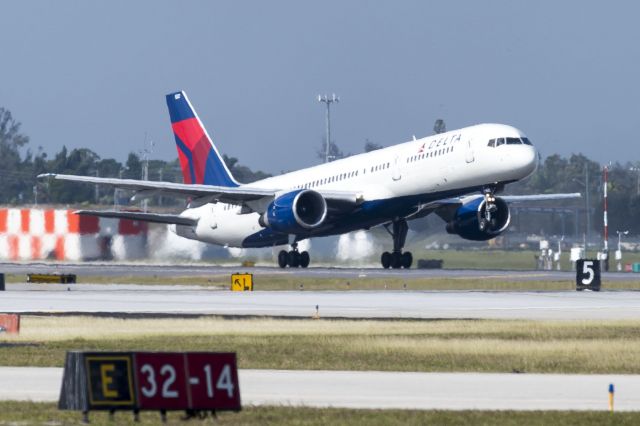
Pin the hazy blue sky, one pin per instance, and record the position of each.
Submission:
(94, 74)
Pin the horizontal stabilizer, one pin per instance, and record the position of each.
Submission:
(145, 217)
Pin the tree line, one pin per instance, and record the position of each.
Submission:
(19, 166)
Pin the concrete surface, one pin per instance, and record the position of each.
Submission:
(108, 299)
(372, 389)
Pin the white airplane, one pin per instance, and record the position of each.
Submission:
(455, 175)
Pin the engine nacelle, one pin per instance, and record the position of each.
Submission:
(295, 212)
(469, 221)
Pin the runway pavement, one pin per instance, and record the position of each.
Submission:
(172, 270)
(166, 300)
(371, 389)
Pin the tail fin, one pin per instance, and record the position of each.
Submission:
(200, 160)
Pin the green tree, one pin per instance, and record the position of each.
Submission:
(16, 181)
(371, 146)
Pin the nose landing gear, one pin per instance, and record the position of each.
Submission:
(490, 208)
(293, 258)
(397, 259)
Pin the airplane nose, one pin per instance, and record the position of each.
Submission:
(528, 159)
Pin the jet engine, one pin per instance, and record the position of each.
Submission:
(295, 212)
(471, 221)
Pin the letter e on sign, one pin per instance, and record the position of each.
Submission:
(110, 380)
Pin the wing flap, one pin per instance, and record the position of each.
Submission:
(146, 217)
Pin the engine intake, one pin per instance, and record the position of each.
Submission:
(295, 212)
(469, 220)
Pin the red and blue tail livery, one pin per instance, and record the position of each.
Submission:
(200, 160)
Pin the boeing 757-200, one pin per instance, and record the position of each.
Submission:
(455, 175)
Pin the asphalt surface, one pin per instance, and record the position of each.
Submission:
(167, 300)
(172, 270)
(372, 389)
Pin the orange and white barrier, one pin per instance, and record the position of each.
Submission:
(34, 234)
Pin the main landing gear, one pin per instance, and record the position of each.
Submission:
(293, 258)
(397, 259)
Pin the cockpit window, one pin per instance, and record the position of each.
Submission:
(526, 141)
(492, 143)
(499, 141)
(513, 141)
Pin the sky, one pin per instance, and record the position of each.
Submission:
(94, 74)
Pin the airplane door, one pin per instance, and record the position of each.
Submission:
(469, 156)
(396, 174)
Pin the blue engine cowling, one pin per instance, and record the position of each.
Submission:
(295, 212)
(469, 220)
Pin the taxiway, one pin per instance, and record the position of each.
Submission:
(384, 390)
(178, 300)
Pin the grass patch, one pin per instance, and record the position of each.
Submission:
(403, 345)
(504, 259)
(29, 413)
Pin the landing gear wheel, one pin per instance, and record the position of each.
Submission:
(385, 259)
(283, 259)
(396, 260)
(407, 260)
(294, 259)
(304, 259)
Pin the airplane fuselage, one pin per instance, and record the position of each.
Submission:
(391, 182)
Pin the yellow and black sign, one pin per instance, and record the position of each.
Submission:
(241, 282)
(52, 278)
(110, 380)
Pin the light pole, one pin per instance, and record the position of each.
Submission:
(116, 191)
(586, 203)
(619, 251)
(146, 152)
(328, 101)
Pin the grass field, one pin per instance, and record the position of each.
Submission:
(485, 259)
(452, 345)
(505, 259)
(28, 413)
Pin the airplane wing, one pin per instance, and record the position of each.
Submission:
(539, 197)
(147, 217)
(254, 199)
(446, 207)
